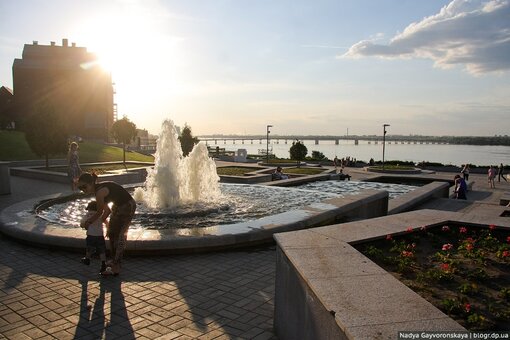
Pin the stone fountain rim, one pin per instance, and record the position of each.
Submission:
(18, 221)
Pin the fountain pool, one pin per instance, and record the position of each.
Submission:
(354, 187)
(238, 203)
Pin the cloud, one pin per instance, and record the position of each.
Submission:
(474, 34)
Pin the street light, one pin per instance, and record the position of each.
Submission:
(383, 140)
(267, 145)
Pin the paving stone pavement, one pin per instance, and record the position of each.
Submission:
(49, 294)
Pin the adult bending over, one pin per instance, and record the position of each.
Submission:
(122, 212)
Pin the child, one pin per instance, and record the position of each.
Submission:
(95, 238)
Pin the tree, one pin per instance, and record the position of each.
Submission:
(298, 151)
(45, 133)
(318, 156)
(123, 131)
(187, 140)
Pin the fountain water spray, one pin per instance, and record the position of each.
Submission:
(176, 180)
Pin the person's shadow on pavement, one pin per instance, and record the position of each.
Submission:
(92, 319)
(93, 322)
(119, 325)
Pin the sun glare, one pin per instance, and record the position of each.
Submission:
(136, 47)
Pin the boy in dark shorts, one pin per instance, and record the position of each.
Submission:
(95, 237)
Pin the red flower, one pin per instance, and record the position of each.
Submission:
(467, 307)
(409, 229)
(406, 253)
(469, 246)
(445, 267)
(445, 228)
(463, 230)
(505, 253)
(470, 240)
(388, 237)
(447, 246)
(492, 227)
(508, 239)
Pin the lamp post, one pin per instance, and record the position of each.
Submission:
(383, 142)
(267, 145)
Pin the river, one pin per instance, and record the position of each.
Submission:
(441, 153)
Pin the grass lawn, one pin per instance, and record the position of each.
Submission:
(279, 161)
(13, 147)
(98, 169)
(394, 167)
(241, 170)
(303, 171)
(234, 170)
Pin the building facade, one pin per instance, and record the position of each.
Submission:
(70, 81)
(6, 105)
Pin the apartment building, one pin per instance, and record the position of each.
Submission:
(68, 79)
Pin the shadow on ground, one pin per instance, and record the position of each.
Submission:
(227, 293)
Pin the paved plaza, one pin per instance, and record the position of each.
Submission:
(49, 294)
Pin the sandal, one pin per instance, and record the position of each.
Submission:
(107, 272)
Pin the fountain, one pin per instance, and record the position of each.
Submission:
(176, 180)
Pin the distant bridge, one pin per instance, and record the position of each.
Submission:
(261, 139)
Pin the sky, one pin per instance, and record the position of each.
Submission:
(321, 67)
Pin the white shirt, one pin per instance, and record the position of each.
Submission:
(96, 228)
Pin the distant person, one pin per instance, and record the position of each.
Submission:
(122, 212)
(501, 169)
(342, 176)
(460, 188)
(335, 163)
(95, 238)
(465, 172)
(491, 175)
(73, 163)
(278, 174)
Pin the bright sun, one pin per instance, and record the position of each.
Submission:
(133, 45)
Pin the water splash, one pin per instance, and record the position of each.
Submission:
(176, 180)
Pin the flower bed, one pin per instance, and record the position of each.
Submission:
(462, 270)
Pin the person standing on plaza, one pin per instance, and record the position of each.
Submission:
(501, 169)
(465, 172)
(335, 163)
(73, 163)
(491, 174)
(122, 212)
